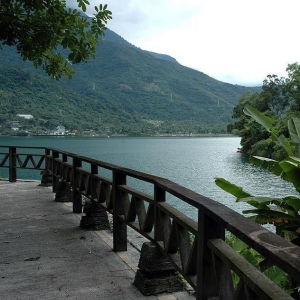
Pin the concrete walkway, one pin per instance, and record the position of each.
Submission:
(45, 255)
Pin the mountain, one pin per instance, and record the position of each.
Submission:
(124, 88)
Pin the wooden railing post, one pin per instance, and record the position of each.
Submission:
(119, 227)
(47, 177)
(64, 157)
(159, 196)
(55, 155)
(77, 198)
(49, 162)
(12, 164)
(47, 153)
(94, 171)
(206, 280)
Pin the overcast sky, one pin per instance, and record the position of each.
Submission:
(235, 41)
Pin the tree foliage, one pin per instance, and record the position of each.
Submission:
(129, 89)
(40, 29)
(279, 100)
(293, 85)
(283, 212)
(257, 260)
(275, 94)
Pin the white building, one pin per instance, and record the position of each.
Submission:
(60, 130)
(14, 125)
(27, 117)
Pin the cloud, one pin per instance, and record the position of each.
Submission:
(235, 41)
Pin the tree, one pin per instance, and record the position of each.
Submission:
(275, 94)
(248, 130)
(293, 86)
(41, 30)
(280, 100)
(283, 213)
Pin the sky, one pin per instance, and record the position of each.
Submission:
(234, 41)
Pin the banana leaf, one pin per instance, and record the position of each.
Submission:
(294, 130)
(260, 219)
(293, 201)
(289, 165)
(290, 204)
(289, 235)
(276, 275)
(262, 202)
(285, 144)
(268, 164)
(294, 178)
(295, 159)
(265, 264)
(258, 117)
(273, 216)
(231, 188)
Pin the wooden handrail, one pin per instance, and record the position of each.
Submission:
(193, 246)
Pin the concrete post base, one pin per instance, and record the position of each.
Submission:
(64, 193)
(96, 216)
(46, 178)
(156, 274)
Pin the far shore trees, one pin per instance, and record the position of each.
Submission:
(279, 100)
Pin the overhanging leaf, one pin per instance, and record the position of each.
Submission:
(293, 201)
(259, 219)
(268, 164)
(285, 144)
(258, 117)
(294, 130)
(231, 188)
(275, 274)
(265, 264)
(261, 202)
(274, 215)
(293, 177)
(289, 235)
(288, 165)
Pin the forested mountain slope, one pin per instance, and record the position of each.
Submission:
(124, 88)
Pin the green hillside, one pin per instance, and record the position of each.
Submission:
(124, 88)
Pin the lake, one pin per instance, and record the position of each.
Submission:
(193, 162)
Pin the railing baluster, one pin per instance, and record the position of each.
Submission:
(63, 167)
(77, 198)
(47, 152)
(206, 280)
(55, 155)
(120, 228)
(12, 164)
(94, 171)
(224, 278)
(159, 196)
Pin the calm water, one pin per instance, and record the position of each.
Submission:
(191, 162)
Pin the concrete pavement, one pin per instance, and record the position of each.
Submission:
(45, 255)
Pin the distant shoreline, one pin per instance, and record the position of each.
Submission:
(129, 136)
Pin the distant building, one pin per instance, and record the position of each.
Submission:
(60, 130)
(88, 132)
(14, 125)
(27, 117)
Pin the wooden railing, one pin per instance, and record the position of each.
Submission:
(195, 247)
